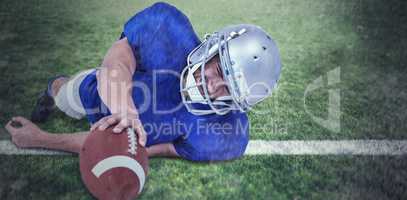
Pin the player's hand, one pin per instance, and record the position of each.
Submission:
(122, 122)
(23, 132)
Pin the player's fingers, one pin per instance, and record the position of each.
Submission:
(94, 126)
(112, 120)
(10, 128)
(98, 123)
(23, 121)
(105, 124)
(124, 123)
(142, 136)
(142, 139)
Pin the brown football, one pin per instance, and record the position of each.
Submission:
(113, 166)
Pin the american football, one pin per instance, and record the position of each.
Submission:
(113, 166)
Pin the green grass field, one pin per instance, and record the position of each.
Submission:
(364, 39)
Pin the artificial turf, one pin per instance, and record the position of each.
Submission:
(365, 40)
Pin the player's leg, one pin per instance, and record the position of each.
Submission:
(67, 97)
(45, 102)
(64, 93)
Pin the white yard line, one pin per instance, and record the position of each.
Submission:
(327, 147)
(287, 147)
(8, 148)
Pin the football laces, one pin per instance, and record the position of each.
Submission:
(132, 140)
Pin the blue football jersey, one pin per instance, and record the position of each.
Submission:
(161, 37)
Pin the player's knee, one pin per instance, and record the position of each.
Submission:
(57, 84)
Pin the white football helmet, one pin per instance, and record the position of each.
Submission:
(250, 64)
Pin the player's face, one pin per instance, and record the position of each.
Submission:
(216, 84)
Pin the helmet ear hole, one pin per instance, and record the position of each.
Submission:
(255, 57)
(264, 48)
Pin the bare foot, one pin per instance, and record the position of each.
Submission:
(28, 135)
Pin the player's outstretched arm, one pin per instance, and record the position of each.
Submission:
(29, 135)
(115, 78)
(115, 83)
(162, 150)
(26, 134)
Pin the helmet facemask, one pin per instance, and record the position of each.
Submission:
(190, 88)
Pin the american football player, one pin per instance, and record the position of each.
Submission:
(183, 97)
